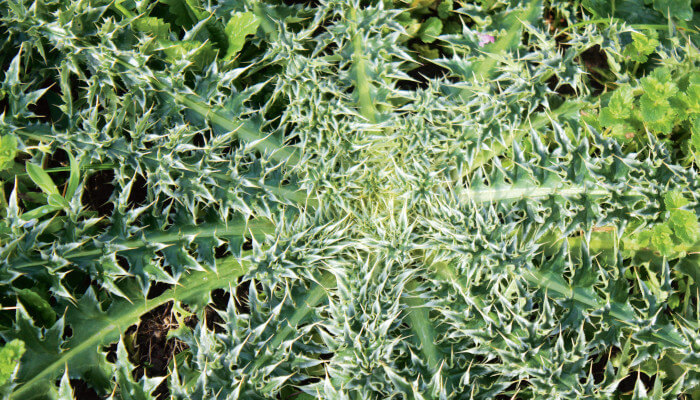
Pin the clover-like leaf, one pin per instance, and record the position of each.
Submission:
(238, 27)
(661, 239)
(430, 30)
(684, 224)
(642, 46)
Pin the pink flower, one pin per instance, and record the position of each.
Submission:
(485, 39)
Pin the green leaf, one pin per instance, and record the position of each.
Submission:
(445, 9)
(659, 85)
(680, 9)
(127, 387)
(656, 110)
(314, 296)
(154, 27)
(238, 27)
(74, 178)
(40, 212)
(39, 308)
(643, 44)
(684, 224)
(10, 355)
(56, 200)
(93, 327)
(630, 11)
(186, 12)
(197, 53)
(661, 239)
(657, 391)
(41, 179)
(675, 199)
(362, 82)
(640, 391)
(430, 30)
(621, 102)
(608, 119)
(485, 166)
(692, 97)
(419, 320)
(532, 12)
(426, 51)
(65, 390)
(8, 151)
(615, 115)
(695, 138)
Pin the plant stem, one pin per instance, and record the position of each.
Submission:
(287, 192)
(536, 122)
(93, 167)
(419, 319)
(313, 297)
(245, 130)
(362, 83)
(512, 193)
(255, 228)
(559, 288)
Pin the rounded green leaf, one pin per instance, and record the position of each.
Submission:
(430, 30)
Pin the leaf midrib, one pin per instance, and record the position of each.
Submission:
(202, 280)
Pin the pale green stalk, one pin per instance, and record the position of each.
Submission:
(254, 228)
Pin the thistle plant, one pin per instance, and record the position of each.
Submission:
(488, 233)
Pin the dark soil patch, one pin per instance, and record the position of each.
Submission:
(5, 60)
(213, 320)
(293, 392)
(219, 299)
(157, 288)
(97, 192)
(67, 332)
(594, 60)
(46, 108)
(153, 348)
(422, 75)
(563, 90)
(556, 23)
(221, 251)
(123, 262)
(77, 281)
(111, 352)
(139, 192)
(4, 105)
(199, 140)
(627, 385)
(291, 138)
(598, 367)
(81, 390)
(241, 301)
